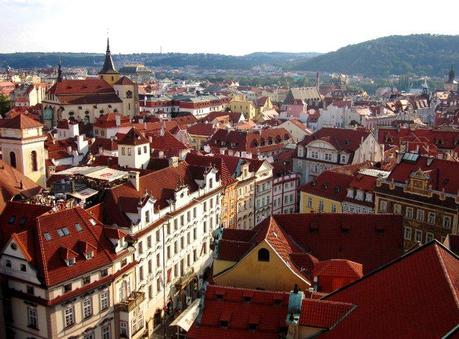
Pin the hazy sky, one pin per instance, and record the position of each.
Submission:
(214, 26)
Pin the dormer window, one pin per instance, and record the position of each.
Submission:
(92, 221)
(70, 261)
(88, 255)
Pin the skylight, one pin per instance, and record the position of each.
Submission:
(47, 236)
(92, 221)
(66, 231)
(78, 227)
(60, 232)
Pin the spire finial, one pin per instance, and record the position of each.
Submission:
(108, 44)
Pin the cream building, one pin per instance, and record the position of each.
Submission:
(22, 145)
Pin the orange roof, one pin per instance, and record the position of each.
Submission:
(20, 121)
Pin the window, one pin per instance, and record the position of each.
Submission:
(175, 247)
(333, 208)
(321, 206)
(397, 209)
(13, 159)
(150, 292)
(104, 301)
(147, 216)
(89, 335)
(407, 233)
(204, 227)
(69, 316)
(446, 222)
(158, 236)
(87, 307)
(383, 206)
(23, 268)
(158, 284)
(420, 215)
(106, 332)
(429, 236)
(34, 161)
(182, 220)
(150, 266)
(195, 233)
(149, 241)
(123, 151)
(139, 150)
(409, 213)
(129, 151)
(145, 149)
(263, 254)
(418, 235)
(30, 290)
(431, 218)
(67, 287)
(104, 272)
(141, 273)
(158, 260)
(86, 280)
(168, 250)
(194, 212)
(32, 318)
(124, 332)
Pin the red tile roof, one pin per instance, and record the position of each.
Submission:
(323, 314)
(343, 139)
(265, 311)
(442, 173)
(20, 121)
(415, 296)
(160, 184)
(14, 183)
(133, 138)
(329, 185)
(369, 239)
(338, 268)
(167, 143)
(108, 120)
(201, 129)
(79, 87)
(207, 161)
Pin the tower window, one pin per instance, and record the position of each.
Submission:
(13, 159)
(33, 156)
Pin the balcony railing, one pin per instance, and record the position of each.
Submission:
(131, 302)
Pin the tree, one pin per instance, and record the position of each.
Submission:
(5, 105)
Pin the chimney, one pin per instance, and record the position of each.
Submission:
(134, 178)
(118, 119)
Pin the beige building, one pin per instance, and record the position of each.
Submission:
(67, 276)
(22, 146)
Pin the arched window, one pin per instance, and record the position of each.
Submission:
(33, 158)
(263, 254)
(13, 159)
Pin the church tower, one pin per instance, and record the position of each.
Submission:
(23, 146)
(108, 71)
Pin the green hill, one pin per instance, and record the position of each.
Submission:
(421, 54)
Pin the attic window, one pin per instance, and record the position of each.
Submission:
(23, 221)
(47, 236)
(70, 261)
(63, 231)
(78, 227)
(224, 323)
(12, 219)
(88, 255)
(14, 246)
(92, 221)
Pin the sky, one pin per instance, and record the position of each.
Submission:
(234, 27)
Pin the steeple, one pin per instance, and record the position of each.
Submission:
(59, 72)
(108, 67)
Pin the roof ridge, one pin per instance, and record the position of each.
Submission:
(390, 263)
(447, 276)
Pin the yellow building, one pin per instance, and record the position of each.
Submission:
(239, 103)
(325, 194)
(268, 265)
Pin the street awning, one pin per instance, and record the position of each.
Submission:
(187, 317)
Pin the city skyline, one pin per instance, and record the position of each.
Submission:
(234, 28)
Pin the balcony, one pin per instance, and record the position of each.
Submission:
(131, 302)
